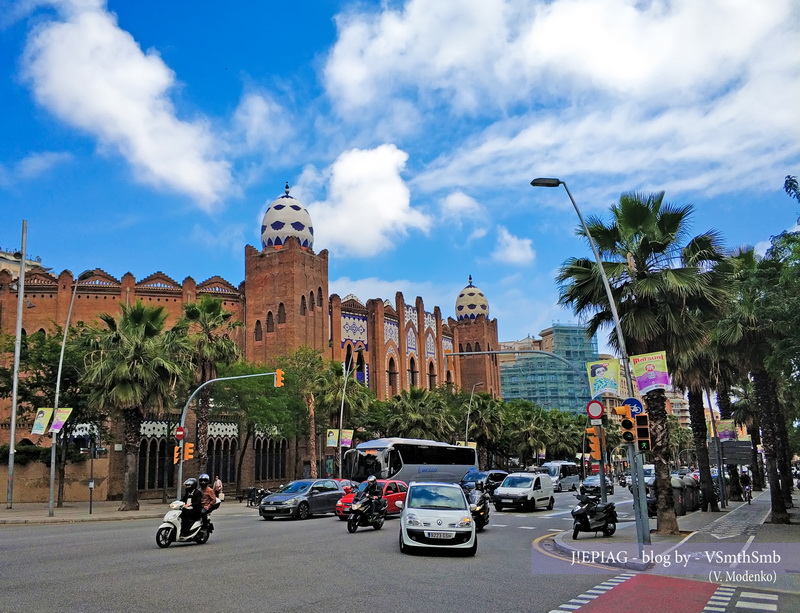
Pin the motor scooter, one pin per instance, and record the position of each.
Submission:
(170, 529)
(478, 505)
(360, 515)
(593, 516)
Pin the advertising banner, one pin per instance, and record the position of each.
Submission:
(333, 438)
(603, 377)
(62, 415)
(41, 421)
(650, 371)
(347, 438)
(726, 430)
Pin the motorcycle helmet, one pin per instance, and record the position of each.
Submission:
(190, 484)
(371, 479)
(204, 480)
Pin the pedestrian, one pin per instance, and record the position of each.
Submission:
(218, 488)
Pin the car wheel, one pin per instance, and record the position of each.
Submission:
(164, 537)
(303, 511)
(498, 507)
(403, 547)
(266, 517)
(550, 504)
(609, 529)
(468, 553)
(531, 505)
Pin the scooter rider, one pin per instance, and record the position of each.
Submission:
(193, 498)
(209, 497)
(374, 492)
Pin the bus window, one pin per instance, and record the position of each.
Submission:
(395, 463)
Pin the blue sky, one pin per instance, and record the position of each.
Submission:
(150, 136)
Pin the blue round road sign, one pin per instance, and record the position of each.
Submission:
(635, 405)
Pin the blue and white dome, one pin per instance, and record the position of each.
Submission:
(286, 217)
(471, 302)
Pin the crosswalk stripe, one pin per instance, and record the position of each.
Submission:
(759, 606)
(758, 595)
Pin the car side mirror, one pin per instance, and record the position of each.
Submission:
(314, 490)
(399, 504)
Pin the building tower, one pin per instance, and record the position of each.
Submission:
(286, 285)
(474, 332)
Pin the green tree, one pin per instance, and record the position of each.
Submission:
(133, 364)
(661, 285)
(209, 329)
(420, 413)
(485, 424)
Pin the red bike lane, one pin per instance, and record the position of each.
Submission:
(653, 593)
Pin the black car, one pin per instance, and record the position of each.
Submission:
(490, 478)
(302, 498)
(591, 485)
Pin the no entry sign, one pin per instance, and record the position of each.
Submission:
(595, 409)
(180, 432)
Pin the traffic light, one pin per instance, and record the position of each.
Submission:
(176, 454)
(627, 424)
(642, 432)
(279, 378)
(594, 443)
(188, 451)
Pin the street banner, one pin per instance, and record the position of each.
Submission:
(650, 371)
(62, 415)
(472, 444)
(333, 438)
(603, 377)
(460, 444)
(726, 430)
(347, 438)
(41, 421)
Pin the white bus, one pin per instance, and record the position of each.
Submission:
(410, 459)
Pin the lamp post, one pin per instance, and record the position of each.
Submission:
(469, 410)
(54, 435)
(347, 373)
(15, 380)
(643, 532)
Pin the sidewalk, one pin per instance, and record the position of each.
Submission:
(709, 548)
(103, 510)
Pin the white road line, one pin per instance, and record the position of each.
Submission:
(759, 606)
(758, 595)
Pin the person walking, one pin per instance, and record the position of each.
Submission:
(218, 487)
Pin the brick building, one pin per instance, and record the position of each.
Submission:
(283, 303)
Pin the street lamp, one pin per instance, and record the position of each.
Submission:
(469, 410)
(15, 380)
(347, 373)
(54, 435)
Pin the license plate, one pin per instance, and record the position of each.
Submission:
(439, 535)
(507, 500)
(269, 508)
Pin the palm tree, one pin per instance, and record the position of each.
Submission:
(567, 432)
(661, 287)
(485, 424)
(209, 326)
(134, 365)
(420, 413)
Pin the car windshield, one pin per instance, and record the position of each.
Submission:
(517, 482)
(552, 470)
(295, 487)
(436, 497)
(473, 476)
(591, 480)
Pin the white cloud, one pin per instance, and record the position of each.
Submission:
(368, 205)
(457, 206)
(32, 166)
(262, 123)
(91, 74)
(511, 249)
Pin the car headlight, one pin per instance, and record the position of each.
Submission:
(291, 501)
(464, 523)
(412, 520)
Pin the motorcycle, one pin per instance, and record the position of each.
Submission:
(478, 505)
(591, 515)
(170, 529)
(360, 515)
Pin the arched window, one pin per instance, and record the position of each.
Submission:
(302, 305)
(469, 347)
(281, 314)
(431, 376)
(270, 459)
(413, 373)
(311, 304)
(258, 334)
(154, 464)
(320, 298)
(270, 322)
(392, 372)
(460, 348)
(477, 346)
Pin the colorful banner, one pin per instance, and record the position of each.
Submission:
(62, 415)
(347, 438)
(650, 371)
(41, 421)
(333, 438)
(726, 430)
(603, 377)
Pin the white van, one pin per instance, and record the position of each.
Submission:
(565, 475)
(525, 491)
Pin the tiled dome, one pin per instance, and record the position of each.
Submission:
(471, 302)
(286, 217)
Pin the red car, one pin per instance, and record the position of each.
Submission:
(393, 491)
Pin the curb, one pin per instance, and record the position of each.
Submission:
(76, 520)
(629, 564)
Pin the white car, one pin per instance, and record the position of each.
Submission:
(437, 516)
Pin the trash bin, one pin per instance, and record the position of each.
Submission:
(678, 489)
(691, 496)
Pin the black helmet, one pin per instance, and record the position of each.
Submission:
(190, 484)
(371, 479)
(204, 480)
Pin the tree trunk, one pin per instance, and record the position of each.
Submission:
(667, 522)
(132, 419)
(249, 428)
(312, 433)
(767, 419)
(783, 454)
(697, 415)
(203, 412)
(756, 469)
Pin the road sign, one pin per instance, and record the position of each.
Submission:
(595, 409)
(180, 432)
(635, 404)
(596, 422)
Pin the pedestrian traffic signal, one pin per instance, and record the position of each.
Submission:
(627, 423)
(642, 432)
(176, 455)
(279, 378)
(188, 451)
(594, 443)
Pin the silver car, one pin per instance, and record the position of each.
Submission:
(302, 498)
